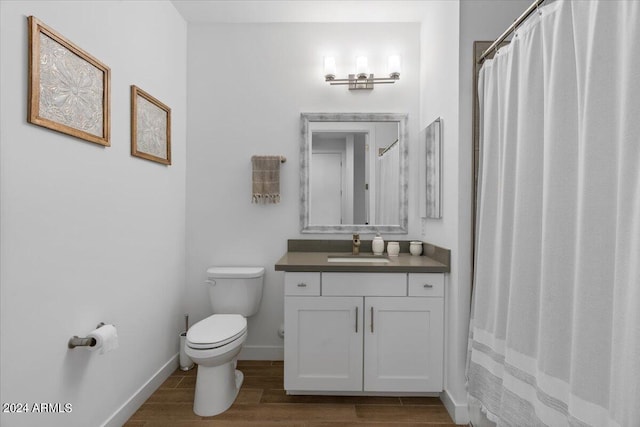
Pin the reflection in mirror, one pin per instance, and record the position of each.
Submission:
(353, 173)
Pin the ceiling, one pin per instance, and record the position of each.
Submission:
(265, 11)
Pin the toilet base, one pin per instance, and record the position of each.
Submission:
(216, 388)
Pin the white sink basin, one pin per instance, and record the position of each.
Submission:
(359, 259)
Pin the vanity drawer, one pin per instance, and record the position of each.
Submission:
(302, 284)
(364, 284)
(426, 284)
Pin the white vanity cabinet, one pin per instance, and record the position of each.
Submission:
(364, 332)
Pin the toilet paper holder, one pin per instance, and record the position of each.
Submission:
(76, 341)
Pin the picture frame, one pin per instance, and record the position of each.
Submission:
(430, 170)
(69, 90)
(150, 127)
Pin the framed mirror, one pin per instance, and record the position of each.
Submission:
(353, 173)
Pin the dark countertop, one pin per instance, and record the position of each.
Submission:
(317, 261)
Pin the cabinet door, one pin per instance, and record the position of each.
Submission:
(323, 343)
(403, 344)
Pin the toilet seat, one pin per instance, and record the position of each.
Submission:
(216, 331)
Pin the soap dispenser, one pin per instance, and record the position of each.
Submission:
(377, 245)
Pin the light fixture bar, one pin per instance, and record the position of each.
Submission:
(371, 79)
(362, 80)
(362, 83)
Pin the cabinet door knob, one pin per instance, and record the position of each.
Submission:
(302, 285)
(428, 286)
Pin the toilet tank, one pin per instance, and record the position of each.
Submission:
(235, 290)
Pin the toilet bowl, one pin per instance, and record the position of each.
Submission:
(215, 342)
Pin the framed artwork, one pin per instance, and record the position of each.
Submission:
(430, 170)
(150, 127)
(69, 90)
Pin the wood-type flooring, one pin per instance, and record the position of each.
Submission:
(262, 402)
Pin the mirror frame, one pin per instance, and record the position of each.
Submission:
(305, 161)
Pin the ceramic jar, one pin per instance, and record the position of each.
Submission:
(393, 248)
(415, 248)
(377, 245)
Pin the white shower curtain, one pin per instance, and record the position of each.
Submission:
(388, 187)
(555, 329)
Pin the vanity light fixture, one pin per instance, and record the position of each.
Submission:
(362, 79)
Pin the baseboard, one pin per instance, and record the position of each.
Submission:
(261, 352)
(132, 404)
(458, 411)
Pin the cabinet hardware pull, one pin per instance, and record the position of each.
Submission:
(371, 319)
(356, 319)
(427, 285)
(302, 285)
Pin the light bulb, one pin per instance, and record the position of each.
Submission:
(394, 66)
(362, 69)
(329, 68)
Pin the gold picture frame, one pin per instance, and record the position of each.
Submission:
(150, 127)
(69, 90)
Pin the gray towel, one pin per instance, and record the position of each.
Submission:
(266, 179)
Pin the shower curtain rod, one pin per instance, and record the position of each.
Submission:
(508, 31)
(381, 151)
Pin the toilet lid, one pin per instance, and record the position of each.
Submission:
(216, 330)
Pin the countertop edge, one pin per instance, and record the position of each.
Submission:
(430, 265)
(359, 268)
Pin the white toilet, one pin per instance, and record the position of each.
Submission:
(215, 342)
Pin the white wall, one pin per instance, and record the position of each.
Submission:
(248, 84)
(439, 98)
(89, 233)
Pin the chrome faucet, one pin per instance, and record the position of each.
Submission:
(356, 244)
